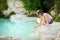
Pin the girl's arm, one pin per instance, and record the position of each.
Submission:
(41, 23)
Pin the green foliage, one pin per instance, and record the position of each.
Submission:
(56, 11)
(57, 3)
(47, 5)
(35, 4)
(27, 4)
(38, 4)
(1, 14)
(3, 4)
(11, 13)
(57, 19)
(6, 17)
(32, 4)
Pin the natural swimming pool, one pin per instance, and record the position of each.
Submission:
(22, 28)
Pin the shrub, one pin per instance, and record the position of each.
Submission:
(11, 13)
(58, 20)
(38, 4)
(1, 14)
(32, 15)
(3, 4)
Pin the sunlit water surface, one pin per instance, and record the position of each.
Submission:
(21, 28)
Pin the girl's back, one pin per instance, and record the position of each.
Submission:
(47, 17)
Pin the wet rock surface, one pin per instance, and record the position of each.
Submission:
(48, 32)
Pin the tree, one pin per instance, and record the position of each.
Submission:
(32, 4)
(35, 4)
(47, 5)
(38, 4)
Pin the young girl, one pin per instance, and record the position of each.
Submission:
(45, 18)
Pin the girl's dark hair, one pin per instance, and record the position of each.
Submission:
(40, 12)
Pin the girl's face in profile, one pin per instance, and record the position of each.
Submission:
(39, 15)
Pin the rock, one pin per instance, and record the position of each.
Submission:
(48, 32)
(14, 5)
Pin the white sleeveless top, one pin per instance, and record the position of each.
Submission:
(39, 20)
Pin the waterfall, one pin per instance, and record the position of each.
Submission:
(16, 6)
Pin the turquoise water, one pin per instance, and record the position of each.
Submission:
(22, 28)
